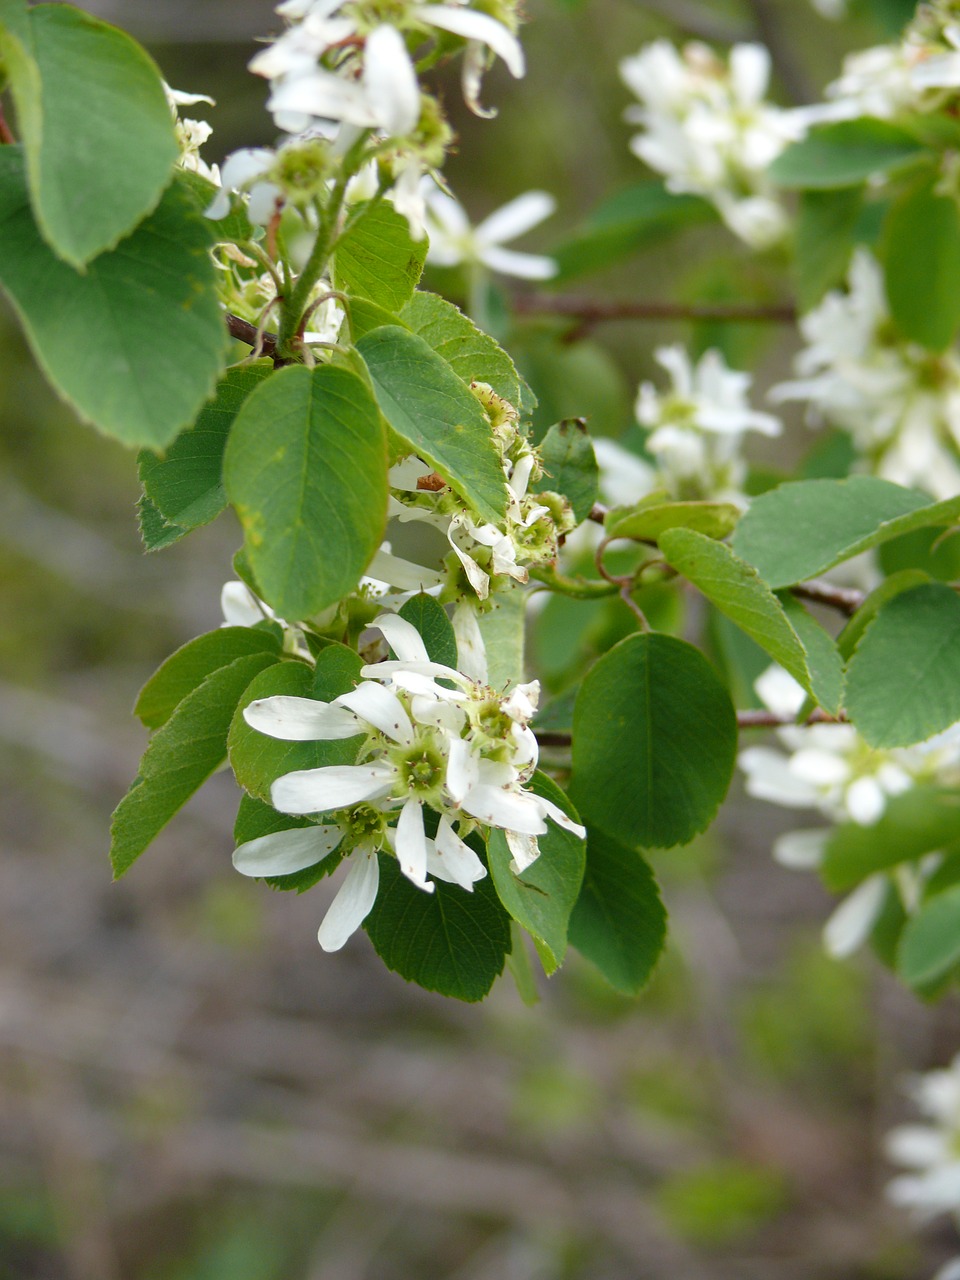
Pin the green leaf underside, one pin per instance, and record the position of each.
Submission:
(379, 259)
(306, 469)
(542, 897)
(736, 589)
(804, 528)
(256, 819)
(472, 354)
(190, 665)
(921, 256)
(824, 662)
(181, 756)
(435, 628)
(257, 759)
(903, 681)
(648, 519)
(428, 406)
(155, 532)
(930, 943)
(619, 922)
(186, 483)
(90, 186)
(917, 822)
(842, 154)
(823, 241)
(447, 941)
(503, 629)
(654, 742)
(570, 466)
(137, 342)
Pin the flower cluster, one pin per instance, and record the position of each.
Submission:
(697, 427)
(707, 128)
(342, 72)
(831, 769)
(191, 134)
(899, 401)
(455, 748)
(930, 1151)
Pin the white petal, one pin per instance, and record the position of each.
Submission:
(391, 81)
(850, 925)
(240, 606)
(476, 26)
(326, 95)
(949, 1272)
(381, 708)
(462, 769)
(916, 1145)
(263, 202)
(770, 778)
(354, 901)
(553, 811)
(525, 851)
(516, 217)
(284, 852)
(450, 859)
(801, 850)
(411, 844)
(403, 574)
(865, 800)
(402, 637)
(245, 165)
(508, 809)
(333, 786)
(524, 266)
(471, 647)
(300, 719)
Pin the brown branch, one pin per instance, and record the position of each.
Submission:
(590, 311)
(745, 720)
(845, 599)
(246, 332)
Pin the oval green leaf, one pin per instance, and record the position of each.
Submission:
(930, 942)
(843, 154)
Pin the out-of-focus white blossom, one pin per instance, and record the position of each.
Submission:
(697, 427)
(453, 240)
(191, 134)
(832, 9)
(709, 131)
(931, 1152)
(900, 402)
(829, 768)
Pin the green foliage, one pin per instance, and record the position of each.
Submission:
(185, 484)
(155, 532)
(903, 681)
(823, 240)
(915, 823)
(378, 259)
(446, 941)
(930, 943)
(435, 628)
(823, 658)
(181, 756)
(313, 503)
(921, 255)
(654, 742)
(618, 922)
(844, 154)
(542, 897)
(647, 519)
(89, 190)
(570, 466)
(137, 341)
(428, 406)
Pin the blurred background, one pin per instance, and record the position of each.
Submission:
(189, 1088)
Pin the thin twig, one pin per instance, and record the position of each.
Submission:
(246, 332)
(845, 599)
(590, 311)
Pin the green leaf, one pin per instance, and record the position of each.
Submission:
(503, 628)
(892, 15)
(436, 629)
(337, 671)
(180, 758)
(379, 259)
(823, 241)
(235, 226)
(802, 529)
(648, 519)
(137, 342)
(570, 466)
(258, 759)
(186, 483)
(844, 154)
(930, 942)
(256, 819)
(903, 681)
(427, 404)
(471, 354)
(917, 822)
(98, 134)
(736, 589)
(895, 585)
(448, 941)
(619, 922)
(306, 469)
(921, 257)
(365, 316)
(626, 222)
(184, 670)
(824, 662)
(654, 742)
(542, 897)
(156, 532)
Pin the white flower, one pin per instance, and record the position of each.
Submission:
(454, 241)
(191, 134)
(900, 403)
(931, 1151)
(707, 128)
(246, 170)
(462, 751)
